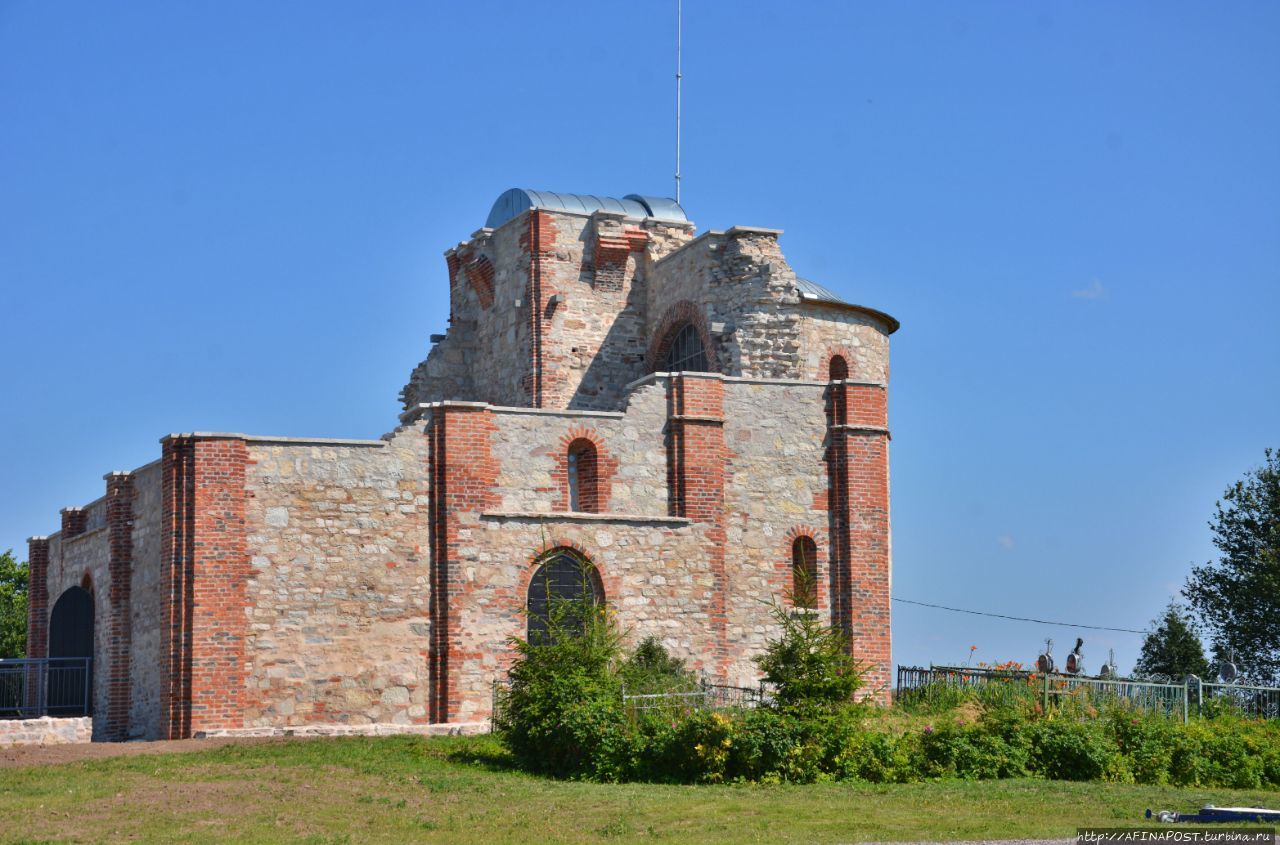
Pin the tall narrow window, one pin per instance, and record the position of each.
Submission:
(561, 583)
(837, 410)
(584, 481)
(804, 572)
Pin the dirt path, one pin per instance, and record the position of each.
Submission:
(48, 755)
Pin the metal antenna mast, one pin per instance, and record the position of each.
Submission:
(679, 76)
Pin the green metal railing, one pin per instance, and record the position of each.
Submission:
(1060, 692)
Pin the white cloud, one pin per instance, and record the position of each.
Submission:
(1005, 541)
(1095, 290)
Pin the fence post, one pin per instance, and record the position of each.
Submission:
(1186, 690)
(1046, 693)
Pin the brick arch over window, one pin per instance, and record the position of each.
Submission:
(562, 573)
(839, 360)
(595, 468)
(584, 491)
(802, 563)
(677, 317)
(837, 395)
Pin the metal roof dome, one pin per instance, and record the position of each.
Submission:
(514, 201)
(811, 291)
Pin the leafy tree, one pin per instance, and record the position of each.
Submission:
(1172, 650)
(1238, 597)
(13, 606)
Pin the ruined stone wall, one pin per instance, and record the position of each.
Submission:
(146, 662)
(858, 338)
(338, 593)
(548, 310)
(739, 278)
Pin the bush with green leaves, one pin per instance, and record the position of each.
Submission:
(563, 708)
(564, 715)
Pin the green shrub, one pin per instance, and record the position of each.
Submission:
(650, 669)
(1067, 749)
(563, 712)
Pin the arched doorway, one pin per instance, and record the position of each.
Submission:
(70, 681)
(562, 577)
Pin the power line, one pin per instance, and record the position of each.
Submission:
(1019, 618)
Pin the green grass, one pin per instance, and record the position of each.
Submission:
(407, 789)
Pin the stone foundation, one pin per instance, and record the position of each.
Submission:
(46, 731)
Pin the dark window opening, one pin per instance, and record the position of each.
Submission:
(584, 480)
(561, 581)
(804, 572)
(687, 353)
(839, 368)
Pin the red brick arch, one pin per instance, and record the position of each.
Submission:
(606, 466)
(819, 538)
(833, 353)
(609, 585)
(682, 312)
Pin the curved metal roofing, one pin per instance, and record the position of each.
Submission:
(811, 291)
(514, 201)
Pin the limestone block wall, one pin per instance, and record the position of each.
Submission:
(337, 599)
(776, 491)
(146, 662)
(45, 731)
(531, 452)
(858, 338)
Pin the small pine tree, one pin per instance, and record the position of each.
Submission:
(1172, 650)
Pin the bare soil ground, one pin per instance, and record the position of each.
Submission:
(49, 755)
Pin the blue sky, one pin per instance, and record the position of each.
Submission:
(230, 216)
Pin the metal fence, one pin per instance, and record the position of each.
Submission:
(1193, 697)
(702, 695)
(705, 696)
(1263, 702)
(52, 686)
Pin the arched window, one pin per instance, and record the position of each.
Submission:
(563, 578)
(584, 479)
(686, 352)
(804, 572)
(839, 368)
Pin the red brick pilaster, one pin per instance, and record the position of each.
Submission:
(696, 462)
(462, 472)
(858, 477)
(37, 597)
(539, 243)
(205, 565)
(74, 522)
(37, 610)
(119, 589)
